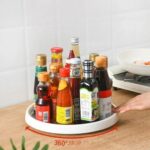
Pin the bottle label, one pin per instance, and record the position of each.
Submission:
(105, 100)
(64, 115)
(43, 113)
(74, 71)
(40, 69)
(89, 104)
(76, 109)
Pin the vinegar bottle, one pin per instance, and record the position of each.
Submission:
(64, 108)
(104, 85)
(43, 100)
(75, 46)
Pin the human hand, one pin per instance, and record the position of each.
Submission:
(140, 102)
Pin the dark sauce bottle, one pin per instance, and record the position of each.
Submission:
(89, 106)
(43, 99)
(104, 85)
(40, 67)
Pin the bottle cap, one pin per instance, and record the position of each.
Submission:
(101, 61)
(64, 72)
(56, 49)
(53, 68)
(92, 56)
(74, 40)
(88, 63)
(75, 61)
(40, 59)
(43, 76)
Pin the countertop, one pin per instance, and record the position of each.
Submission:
(132, 132)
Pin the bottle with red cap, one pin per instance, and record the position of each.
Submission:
(64, 107)
(56, 56)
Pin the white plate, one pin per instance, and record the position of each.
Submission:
(69, 129)
(128, 57)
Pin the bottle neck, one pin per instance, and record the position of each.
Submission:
(75, 48)
(88, 75)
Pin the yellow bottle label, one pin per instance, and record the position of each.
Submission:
(64, 115)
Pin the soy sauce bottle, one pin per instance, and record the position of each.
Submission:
(40, 67)
(89, 106)
(43, 99)
(104, 85)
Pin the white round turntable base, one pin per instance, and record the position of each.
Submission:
(69, 129)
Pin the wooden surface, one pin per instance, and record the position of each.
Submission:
(132, 133)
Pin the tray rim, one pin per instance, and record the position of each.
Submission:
(71, 128)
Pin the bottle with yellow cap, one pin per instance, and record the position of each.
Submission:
(40, 67)
(92, 57)
(42, 108)
(54, 82)
(104, 85)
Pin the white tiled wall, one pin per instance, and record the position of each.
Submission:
(28, 27)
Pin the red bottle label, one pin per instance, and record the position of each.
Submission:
(43, 113)
(104, 94)
(105, 101)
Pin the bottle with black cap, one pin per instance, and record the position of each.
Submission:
(89, 106)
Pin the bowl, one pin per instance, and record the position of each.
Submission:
(132, 60)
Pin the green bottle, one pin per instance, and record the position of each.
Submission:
(89, 105)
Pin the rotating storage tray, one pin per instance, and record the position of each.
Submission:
(69, 129)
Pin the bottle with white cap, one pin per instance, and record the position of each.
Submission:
(75, 46)
(75, 87)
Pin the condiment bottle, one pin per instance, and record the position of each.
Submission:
(64, 108)
(75, 86)
(56, 57)
(104, 85)
(54, 82)
(92, 57)
(75, 46)
(43, 100)
(71, 55)
(89, 106)
(40, 67)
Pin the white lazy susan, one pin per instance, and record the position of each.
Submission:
(69, 129)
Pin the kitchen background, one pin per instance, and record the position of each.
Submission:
(28, 27)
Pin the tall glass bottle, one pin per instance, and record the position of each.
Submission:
(75, 86)
(64, 108)
(71, 55)
(43, 100)
(54, 82)
(40, 67)
(75, 46)
(89, 106)
(104, 85)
